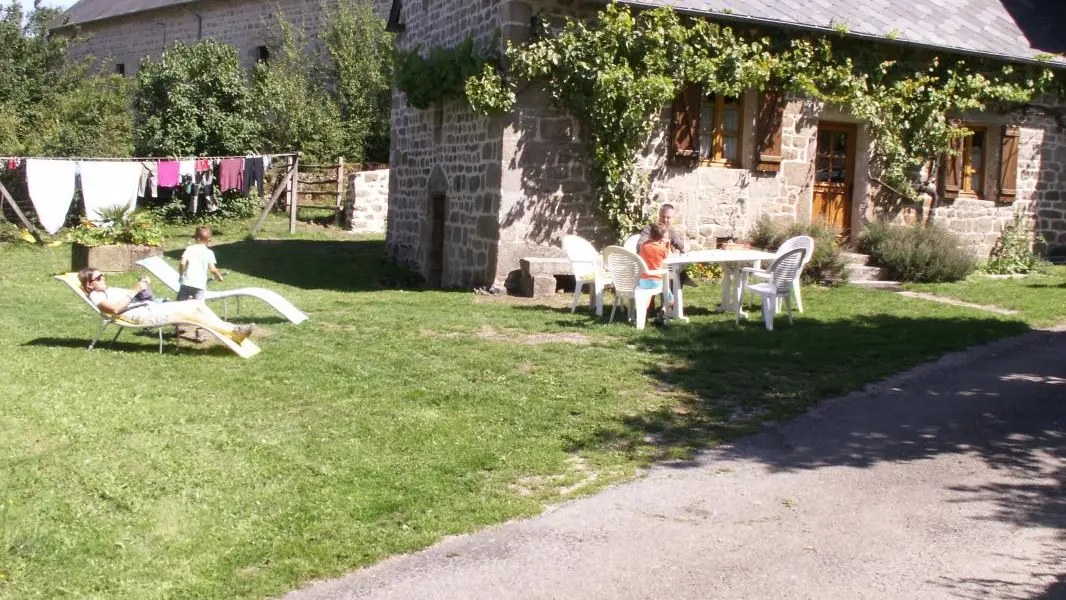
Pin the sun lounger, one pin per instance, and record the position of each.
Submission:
(245, 349)
(169, 277)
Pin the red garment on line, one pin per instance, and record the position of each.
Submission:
(202, 164)
(231, 174)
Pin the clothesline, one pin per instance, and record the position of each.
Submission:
(146, 158)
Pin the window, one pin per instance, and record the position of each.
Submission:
(720, 129)
(120, 69)
(262, 54)
(973, 161)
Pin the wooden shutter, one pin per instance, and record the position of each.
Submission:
(1008, 164)
(768, 131)
(685, 118)
(952, 174)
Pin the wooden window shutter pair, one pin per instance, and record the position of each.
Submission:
(1008, 167)
(685, 121)
(768, 131)
(1008, 164)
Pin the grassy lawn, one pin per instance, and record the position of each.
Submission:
(392, 418)
(1041, 299)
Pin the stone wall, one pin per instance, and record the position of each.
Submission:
(514, 185)
(247, 24)
(366, 201)
(448, 153)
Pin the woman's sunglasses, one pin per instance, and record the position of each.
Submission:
(97, 277)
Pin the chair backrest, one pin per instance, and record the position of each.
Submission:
(166, 274)
(800, 241)
(71, 279)
(584, 259)
(785, 268)
(631, 243)
(624, 268)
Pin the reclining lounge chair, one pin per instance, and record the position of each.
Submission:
(170, 278)
(245, 349)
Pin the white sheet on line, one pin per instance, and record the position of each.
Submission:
(108, 183)
(51, 187)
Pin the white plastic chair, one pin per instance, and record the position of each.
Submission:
(625, 269)
(805, 242)
(631, 243)
(783, 271)
(588, 269)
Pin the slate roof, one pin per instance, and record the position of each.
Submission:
(1012, 29)
(86, 11)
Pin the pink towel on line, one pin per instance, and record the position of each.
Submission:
(169, 173)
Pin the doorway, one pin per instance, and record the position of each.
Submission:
(834, 175)
(438, 218)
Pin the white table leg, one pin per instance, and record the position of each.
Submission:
(729, 278)
(674, 281)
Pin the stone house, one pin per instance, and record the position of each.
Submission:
(471, 195)
(122, 32)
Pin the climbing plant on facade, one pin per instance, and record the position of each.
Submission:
(615, 73)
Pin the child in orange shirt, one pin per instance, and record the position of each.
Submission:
(654, 251)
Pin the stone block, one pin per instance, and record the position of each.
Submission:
(110, 259)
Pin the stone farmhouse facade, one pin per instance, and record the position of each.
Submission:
(470, 195)
(122, 32)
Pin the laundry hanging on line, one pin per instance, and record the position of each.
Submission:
(106, 184)
(51, 187)
(231, 174)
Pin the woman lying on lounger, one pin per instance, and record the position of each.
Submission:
(119, 301)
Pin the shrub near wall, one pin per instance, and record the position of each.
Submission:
(827, 265)
(915, 253)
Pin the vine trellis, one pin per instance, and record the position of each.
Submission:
(616, 72)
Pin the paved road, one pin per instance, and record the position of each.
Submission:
(945, 482)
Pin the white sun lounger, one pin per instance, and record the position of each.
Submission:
(245, 349)
(169, 277)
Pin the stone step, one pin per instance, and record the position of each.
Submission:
(854, 258)
(864, 273)
(877, 284)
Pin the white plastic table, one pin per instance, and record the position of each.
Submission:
(732, 262)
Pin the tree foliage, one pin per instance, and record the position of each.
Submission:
(329, 95)
(195, 100)
(48, 105)
(295, 109)
(615, 74)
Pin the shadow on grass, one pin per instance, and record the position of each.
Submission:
(729, 379)
(349, 266)
(150, 346)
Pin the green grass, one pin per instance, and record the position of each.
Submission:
(1040, 298)
(395, 416)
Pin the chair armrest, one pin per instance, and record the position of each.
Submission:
(754, 271)
(656, 272)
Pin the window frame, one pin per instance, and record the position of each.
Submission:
(716, 154)
(965, 185)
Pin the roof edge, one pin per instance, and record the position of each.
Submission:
(1059, 64)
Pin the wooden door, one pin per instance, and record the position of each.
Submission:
(834, 175)
(439, 218)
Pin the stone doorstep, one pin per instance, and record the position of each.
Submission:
(861, 272)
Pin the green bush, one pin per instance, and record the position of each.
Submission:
(232, 205)
(827, 265)
(1013, 252)
(119, 227)
(915, 253)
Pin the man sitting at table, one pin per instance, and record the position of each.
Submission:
(654, 251)
(674, 239)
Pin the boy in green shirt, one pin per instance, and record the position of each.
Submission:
(196, 262)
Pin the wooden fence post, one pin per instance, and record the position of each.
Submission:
(340, 190)
(294, 191)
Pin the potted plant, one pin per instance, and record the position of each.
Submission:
(117, 243)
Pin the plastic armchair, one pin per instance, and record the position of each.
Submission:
(805, 242)
(588, 270)
(631, 243)
(626, 269)
(783, 271)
